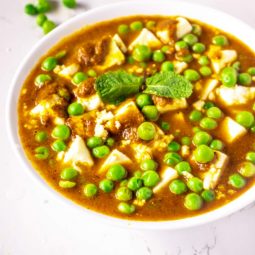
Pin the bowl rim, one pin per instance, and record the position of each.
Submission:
(11, 112)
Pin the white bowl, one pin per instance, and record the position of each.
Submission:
(174, 7)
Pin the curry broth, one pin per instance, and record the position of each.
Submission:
(163, 205)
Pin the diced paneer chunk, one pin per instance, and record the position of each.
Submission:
(91, 103)
(167, 175)
(167, 104)
(179, 66)
(183, 27)
(208, 87)
(212, 176)
(78, 153)
(237, 95)
(141, 151)
(198, 105)
(147, 38)
(67, 71)
(120, 43)
(230, 130)
(115, 157)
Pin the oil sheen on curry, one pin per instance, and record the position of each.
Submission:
(144, 118)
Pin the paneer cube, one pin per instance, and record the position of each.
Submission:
(208, 87)
(141, 151)
(78, 153)
(183, 27)
(230, 130)
(198, 105)
(67, 71)
(180, 66)
(146, 37)
(115, 157)
(91, 103)
(120, 43)
(166, 105)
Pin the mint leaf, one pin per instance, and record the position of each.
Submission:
(168, 84)
(114, 87)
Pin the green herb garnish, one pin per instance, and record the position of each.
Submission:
(114, 87)
(168, 84)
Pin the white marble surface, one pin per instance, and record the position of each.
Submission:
(31, 222)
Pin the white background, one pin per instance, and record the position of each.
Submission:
(33, 223)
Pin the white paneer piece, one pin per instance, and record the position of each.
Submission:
(167, 175)
(59, 121)
(218, 165)
(175, 104)
(146, 37)
(208, 87)
(115, 157)
(231, 130)
(114, 56)
(183, 27)
(180, 66)
(78, 153)
(185, 151)
(90, 103)
(237, 95)
(100, 131)
(141, 151)
(198, 105)
(120, 43)
(164, 35)
(66, 71)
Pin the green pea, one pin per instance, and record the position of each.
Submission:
(165, 49)
(138, 173)
(203, 154)
(177, 187)
(186, 140)
(251, 71)
(143, 100)
(203, 61)
(173, 146)
(42, 79)
(191, 75)
(94, 141)
(193, 202)
(149, 164)
(250, 156)
(183, 166)
(158, 56)
(40, 19)
(123, 29)
(180, 45)
(195, 115)
(217, 145)
(198, 47)
(61, 132)
(172, 158)
(116, 172)
(228, 76)
(150, 112)
(75, 109)
(195, 184)
(237, 181)
(66, 184)
(100, 151)
(59, 145)
(245, 118)
(41, 136)
(92, 73)
(69, 3)
(214, 112)
(165, 126)
(167, 66)
(126, 208)
(220, 40)
(123, 194)
(146, 131)
(68, 173)
(253, 128)
(30, 9)
(49, 64)
(236, 65)
(61, 54)
(196, 29)
(144, 193)
(124, 183)
(247, 169)
(201, 137)
(48, 26)
(190, 39)
(196, 129)
(136, 26)
(110, 142)
(150, 24)
(130, 60)
(205, 71)
(208, 105)
(150, 178)
(244, 79)
(141, 53)
(90, 190)
(42, 152)
(43, 6)
(208, 123)
(63, 92)
(186, 58)
(135, 183)
(79, 77)
(208, 195)
(106, 185)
